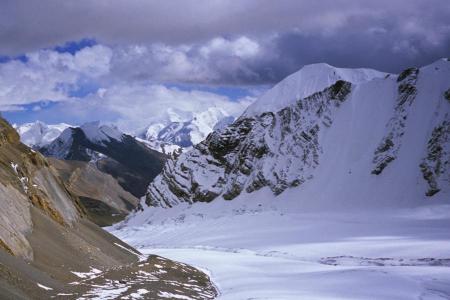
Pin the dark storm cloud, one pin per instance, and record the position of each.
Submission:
(386, 35)
(382, 48)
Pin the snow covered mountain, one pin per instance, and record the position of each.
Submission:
(343, 137)
(184, 129)
(39, 134)
(335, 188)
(131, 162)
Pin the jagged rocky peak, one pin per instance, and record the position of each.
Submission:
(325, 126)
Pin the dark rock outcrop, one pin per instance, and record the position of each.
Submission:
(388, 148)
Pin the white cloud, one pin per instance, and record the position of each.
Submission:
(242, 47)
(215, 61)
(134, 106)
(49, 75)
(125, 72)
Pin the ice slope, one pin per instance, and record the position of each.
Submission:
(344, 178)
(38, 133)
(307, 81)
(385, 141)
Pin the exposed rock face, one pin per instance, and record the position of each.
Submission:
(27, 180)
(436, 165)
(132, 163)
(49, 247)
(278, 150)
(388, 148)
(447, 94)
(104, 200)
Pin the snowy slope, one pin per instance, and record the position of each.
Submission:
(204, 122)
(38, 134)
(100, 133)
(160, 146)
(307, 81)
(374, 140)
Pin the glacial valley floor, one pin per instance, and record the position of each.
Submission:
(257, 250)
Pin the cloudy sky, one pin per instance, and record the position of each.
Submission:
(127, 61)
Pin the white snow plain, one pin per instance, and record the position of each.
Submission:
(264, 247)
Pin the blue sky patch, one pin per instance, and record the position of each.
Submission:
(5, 58)
(73, 47)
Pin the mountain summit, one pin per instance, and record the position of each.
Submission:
(308, 80)
(132, 163)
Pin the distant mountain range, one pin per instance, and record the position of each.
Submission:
(179, 131)
(186, 132)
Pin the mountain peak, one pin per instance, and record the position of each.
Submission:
(307, 81)
(98, 132)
